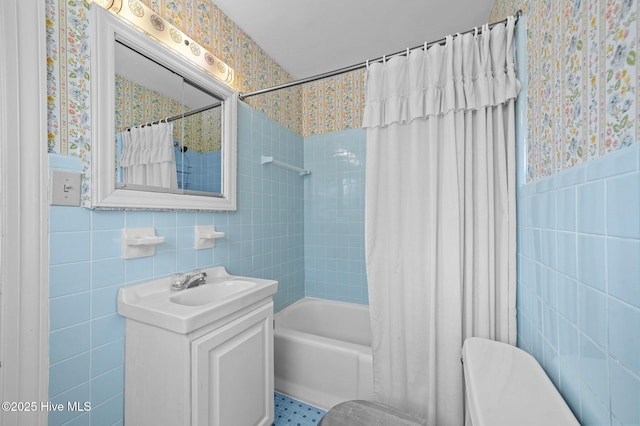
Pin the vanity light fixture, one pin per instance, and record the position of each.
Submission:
(145, 19)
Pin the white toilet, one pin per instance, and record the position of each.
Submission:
(505, 386)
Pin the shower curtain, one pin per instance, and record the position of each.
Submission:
(440, 215)
(148, 156)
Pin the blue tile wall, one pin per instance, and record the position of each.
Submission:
(579, 284)
(199, 171)
(334, 193)
(263, 238)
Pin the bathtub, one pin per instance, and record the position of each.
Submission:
(322, 352)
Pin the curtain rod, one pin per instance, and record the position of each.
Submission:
(243, 96)
(183, 115)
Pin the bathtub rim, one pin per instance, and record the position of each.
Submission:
(300, 335)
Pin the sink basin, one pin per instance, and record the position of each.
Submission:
(184, 311)
(208, 293)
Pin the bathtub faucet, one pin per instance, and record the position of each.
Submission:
(181, 282)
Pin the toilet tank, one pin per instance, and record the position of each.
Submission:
(506, 386)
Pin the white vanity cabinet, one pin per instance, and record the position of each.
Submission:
(220, 374)
(232, 372)
(202, 356)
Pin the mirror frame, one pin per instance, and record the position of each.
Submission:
(106, 28)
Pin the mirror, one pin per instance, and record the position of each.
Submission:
(146, 92)
(164, 130)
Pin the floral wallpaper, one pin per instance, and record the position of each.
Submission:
(333, 104)
(136, 104)
(68, 69)
(583, 79)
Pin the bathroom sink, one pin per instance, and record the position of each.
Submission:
(184, 311)
(208, 293)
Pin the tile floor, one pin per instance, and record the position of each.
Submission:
(289, 411)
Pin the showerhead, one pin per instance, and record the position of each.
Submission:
(177, 144)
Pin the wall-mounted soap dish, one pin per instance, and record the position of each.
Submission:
(205, 236)
(139, 242)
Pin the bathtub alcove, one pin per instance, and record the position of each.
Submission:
(322, 352)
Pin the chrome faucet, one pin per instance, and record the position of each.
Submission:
(194, 279)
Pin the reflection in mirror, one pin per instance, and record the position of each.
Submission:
(168, 130)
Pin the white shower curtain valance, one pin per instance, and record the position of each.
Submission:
(468, 72)
(148, 156)
(439, 216)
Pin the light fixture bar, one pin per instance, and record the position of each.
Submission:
(152, 24)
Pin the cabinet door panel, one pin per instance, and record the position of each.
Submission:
(232, 376)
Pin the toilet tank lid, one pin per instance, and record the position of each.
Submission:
(506, 386)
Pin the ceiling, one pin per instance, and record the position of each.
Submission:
(311, 37)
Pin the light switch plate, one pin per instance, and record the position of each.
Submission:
(64, 188)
